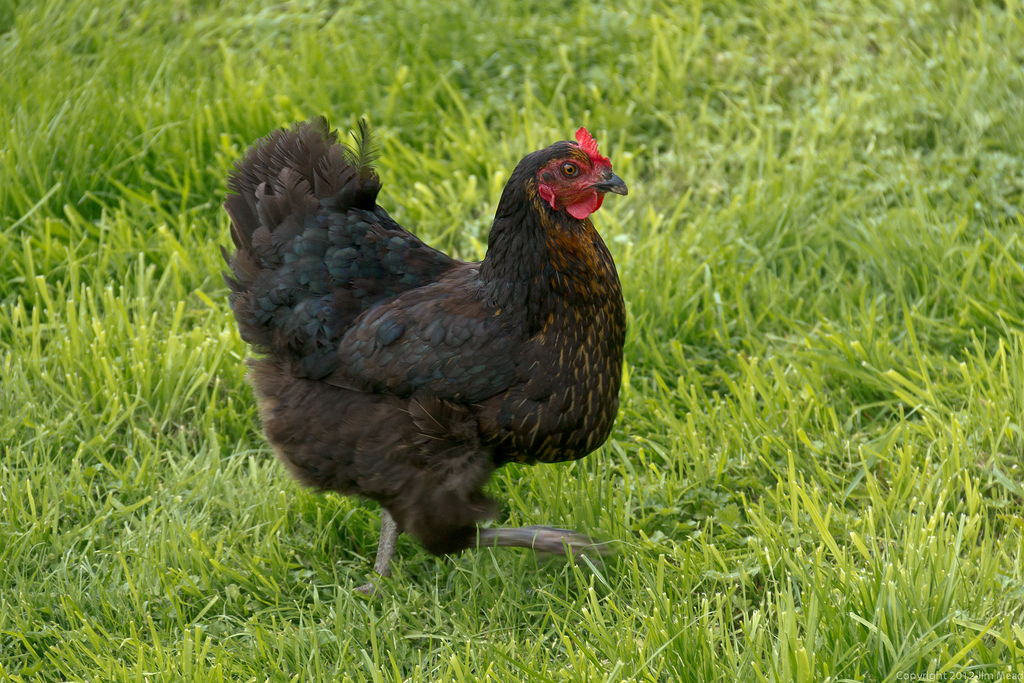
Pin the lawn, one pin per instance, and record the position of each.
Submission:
(816, 472)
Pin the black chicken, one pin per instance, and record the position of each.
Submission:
(395, 372)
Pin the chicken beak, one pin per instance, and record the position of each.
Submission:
(615, 185)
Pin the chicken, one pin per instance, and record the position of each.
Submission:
(392, 371)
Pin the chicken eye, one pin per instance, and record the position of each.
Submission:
(570, 170)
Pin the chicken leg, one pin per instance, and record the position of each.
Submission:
(540, 538)
(385, 551)
(544, 539)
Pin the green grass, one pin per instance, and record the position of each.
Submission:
(816, 473)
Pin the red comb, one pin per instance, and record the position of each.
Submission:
(589, 145)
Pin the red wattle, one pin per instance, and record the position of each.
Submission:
(587, 206)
